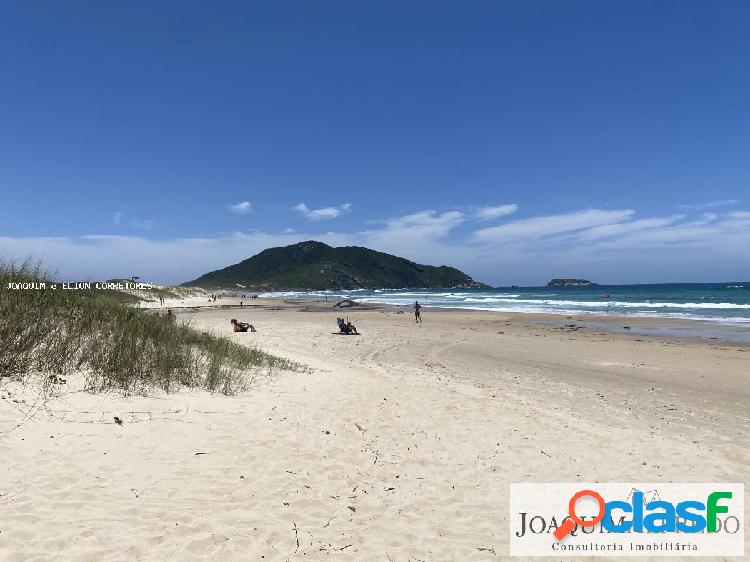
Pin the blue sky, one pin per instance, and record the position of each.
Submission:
(516, 140)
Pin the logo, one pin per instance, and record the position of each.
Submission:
(627, 519)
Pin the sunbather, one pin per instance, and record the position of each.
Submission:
(346, 327)
(242, 326)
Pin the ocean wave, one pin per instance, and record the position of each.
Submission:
(497, 298)
(624, 304)
(700, 307)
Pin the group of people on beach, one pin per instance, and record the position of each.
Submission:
(345, 326)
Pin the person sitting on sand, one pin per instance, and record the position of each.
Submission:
(242, 326)
(346, 327)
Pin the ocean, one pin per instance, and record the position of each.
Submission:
(728, 303)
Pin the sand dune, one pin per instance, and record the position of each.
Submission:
(396, 445)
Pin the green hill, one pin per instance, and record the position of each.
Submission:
(317, 266)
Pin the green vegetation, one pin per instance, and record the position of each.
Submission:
(113, 344)
(317, 266)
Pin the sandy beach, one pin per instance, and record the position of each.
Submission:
(397, 445)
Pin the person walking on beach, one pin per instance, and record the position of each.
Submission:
(417, 313)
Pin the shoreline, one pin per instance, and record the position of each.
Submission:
(640, 326)
(702, 302)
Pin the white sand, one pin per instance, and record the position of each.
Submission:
(398, 445)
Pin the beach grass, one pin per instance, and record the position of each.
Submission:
(114, 344)
(155, 292)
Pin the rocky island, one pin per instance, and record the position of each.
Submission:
(313, 265)
(570, 283)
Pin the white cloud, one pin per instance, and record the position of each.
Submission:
(429, 224)
(538, 227)
(242, 208)
(606, 246)
(324, 213)
(142, 224)
(420, 234)
(720, 234)
(117, 218)
(619, 229)
(107, 256)
(488, 213)
(711, 204)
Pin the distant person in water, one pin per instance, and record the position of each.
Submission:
(417, 313)
(242, 326)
